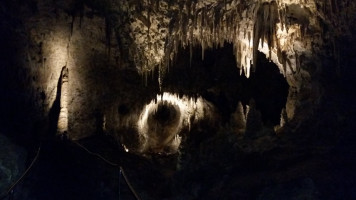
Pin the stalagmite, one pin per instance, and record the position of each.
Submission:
(284, 118)
(254, 121)
(63, 114)
(238, 119)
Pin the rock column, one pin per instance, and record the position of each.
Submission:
(63, 114)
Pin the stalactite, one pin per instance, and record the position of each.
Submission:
(211, 27)
(297, 61)
(72, 25)
(225, 6)
(266, 18)
(108, 34)
(202, 50)
(190, 54)
(184, 28)
(160, 79)
(249, 39)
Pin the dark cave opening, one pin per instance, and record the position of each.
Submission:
(165, 113)
(218, 80)
(123, 109)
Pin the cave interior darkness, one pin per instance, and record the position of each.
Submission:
(108, 99)
(217, 79)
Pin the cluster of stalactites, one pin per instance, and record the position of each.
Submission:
(265, 31)
(248, 25)
(243, 24)
(160, 28)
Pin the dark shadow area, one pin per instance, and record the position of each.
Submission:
(66, 171)
(218, 80)
(165, 113)
(19, 109)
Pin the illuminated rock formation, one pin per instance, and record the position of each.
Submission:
(289, 32)
(162, 120)
(63, 113)
(98, 39)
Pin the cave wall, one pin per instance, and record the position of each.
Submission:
(79, 44)
(111, 47)
(43, 39)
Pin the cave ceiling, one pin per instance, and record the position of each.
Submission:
(291, 32)
(294, 34)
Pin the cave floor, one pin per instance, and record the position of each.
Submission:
(66, 171)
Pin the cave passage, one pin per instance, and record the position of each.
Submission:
(218, 80)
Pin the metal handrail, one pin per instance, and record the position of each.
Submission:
(122, 171)
(10, 190)
(112, 164)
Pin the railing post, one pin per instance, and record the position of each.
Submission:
(11, 194)
(120, 183)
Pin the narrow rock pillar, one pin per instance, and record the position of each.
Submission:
(63, 114)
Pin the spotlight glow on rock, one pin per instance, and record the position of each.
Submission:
(162, 135)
